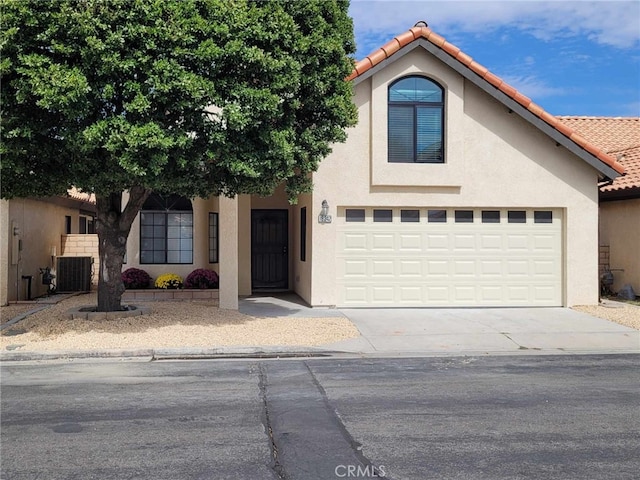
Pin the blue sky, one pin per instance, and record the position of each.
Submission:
(570, 57)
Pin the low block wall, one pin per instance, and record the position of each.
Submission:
(82, 245)
(167, 295)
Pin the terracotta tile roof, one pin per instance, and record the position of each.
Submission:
(620, 138)
(78, 195)
(418, 32)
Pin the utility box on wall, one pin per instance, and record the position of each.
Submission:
(74, 274)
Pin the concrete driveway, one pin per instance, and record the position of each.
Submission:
(485, 331)
(461, 331)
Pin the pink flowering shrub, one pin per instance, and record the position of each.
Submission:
(135, 278)
(202, 278)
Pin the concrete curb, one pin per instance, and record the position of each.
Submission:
(170, 353)
(279, 352)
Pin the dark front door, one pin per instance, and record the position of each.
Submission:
(269, 249)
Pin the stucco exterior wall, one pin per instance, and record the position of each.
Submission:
(40, 226)
(244, 245)
(302, 268)
(620, 230)
(493, 159)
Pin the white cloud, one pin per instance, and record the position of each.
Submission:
(533, 87)
(613, 23)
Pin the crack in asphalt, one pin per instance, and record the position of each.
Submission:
(276, 466)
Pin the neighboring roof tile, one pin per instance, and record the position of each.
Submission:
(612, 134)
(618, 137)
(419, 32)
(82, 196)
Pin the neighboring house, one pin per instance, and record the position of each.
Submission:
(35, 232)
(619, 200)
(453, 190)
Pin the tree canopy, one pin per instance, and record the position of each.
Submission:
(187, 97)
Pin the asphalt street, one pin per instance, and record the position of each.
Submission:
(504, 417)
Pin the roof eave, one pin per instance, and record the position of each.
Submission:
(623, 194)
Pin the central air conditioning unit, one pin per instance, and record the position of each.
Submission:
(74, 274)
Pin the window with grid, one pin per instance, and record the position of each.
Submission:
(416, 121)
(166, 230)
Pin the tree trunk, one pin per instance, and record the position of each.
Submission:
(113, 225)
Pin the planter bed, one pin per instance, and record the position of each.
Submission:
(150, 294)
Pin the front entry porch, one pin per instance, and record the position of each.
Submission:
(260, 247)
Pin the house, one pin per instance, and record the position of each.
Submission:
(454, 190)
(35, 232)
(619, 200)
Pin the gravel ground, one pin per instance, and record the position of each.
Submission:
(198, 324)
(13, 310)
(170, 325)
(619, 312)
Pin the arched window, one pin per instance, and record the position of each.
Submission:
(166, 230)
(416, 121)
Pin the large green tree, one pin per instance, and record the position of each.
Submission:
(175, 96)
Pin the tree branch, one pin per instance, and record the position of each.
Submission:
(137, 197)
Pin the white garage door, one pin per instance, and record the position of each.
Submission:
(412, 257)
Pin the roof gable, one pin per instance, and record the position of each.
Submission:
(423, 36)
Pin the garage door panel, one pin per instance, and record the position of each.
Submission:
(545, 268)
(382, 241)
(464, 294)
(355, 268)
(438, 268)
(411, 294)
(517, 293)
(464, 268)
(544, 242)
(410, 242)
(517, 242)
(382, 268)
(354, 241)
(450, 264)
(545, 294)
(518, 268)
(382, 295)
(436, 242)
(437, 294)
(355, 295)
(491, 293)
(491, 242)
(491, 267)
(411, 268)
(464, 242)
